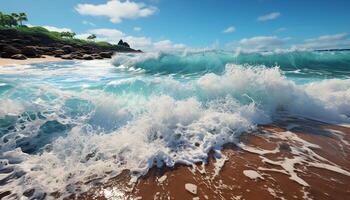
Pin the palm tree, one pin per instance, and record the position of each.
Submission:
(22, 17)
(91, 37)
(15, 17)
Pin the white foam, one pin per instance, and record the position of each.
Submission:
(252, 174)
(10, 107)
(180, 124)
(192, 188)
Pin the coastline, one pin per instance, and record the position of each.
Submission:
(265, 166)
(9, 61)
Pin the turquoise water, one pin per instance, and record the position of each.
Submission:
(66, 122)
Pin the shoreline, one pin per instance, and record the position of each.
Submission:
(260, 167)
(48, 59)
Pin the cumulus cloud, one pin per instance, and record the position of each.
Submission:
(145, 43)
(108, 33)
(263, 42)
(117, 10)
(339, 40)
(270, 16)
(229, 29)
(167, 45)
(136, 28)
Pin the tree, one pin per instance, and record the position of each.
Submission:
(91, 37)
(67, 34)
(22, 17)
(12, 19)
(8, 20)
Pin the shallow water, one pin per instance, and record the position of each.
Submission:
(67, 123)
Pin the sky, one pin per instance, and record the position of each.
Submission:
(246, 25)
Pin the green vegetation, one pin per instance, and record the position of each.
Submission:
(14, 21)
(91, 37)
(8, 20)
(67, 34)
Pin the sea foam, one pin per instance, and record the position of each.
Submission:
(68, 137)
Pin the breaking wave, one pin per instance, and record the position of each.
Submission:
(75, 124)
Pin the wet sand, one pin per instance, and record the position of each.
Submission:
(259, 167)
(8, 61)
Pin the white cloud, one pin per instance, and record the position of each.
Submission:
(139, 42)
(282, 29)
(167, 45)
(144, 43)
(57, 29)
(117, 10)
(52, 28)
(82, 36)
(107, 33)
(258, 44)
(136, 28)
(88, 23)
(270, 16)
(339, 40)
(229, 29)
(262, 41)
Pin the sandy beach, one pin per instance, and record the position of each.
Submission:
(8, 61)
(264, 167)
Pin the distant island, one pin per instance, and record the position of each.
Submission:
(18, 41)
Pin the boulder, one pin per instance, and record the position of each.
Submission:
(87, 57)
(58, 53)
(77, 55)
(19, 57)
(106, 54)
(30, 52)
(8, 51)
(67, 48)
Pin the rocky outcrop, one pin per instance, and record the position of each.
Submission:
(8, 51)
(30, 52)
(15, 43)
(106, 54)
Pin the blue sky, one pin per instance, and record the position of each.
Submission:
(179, 24)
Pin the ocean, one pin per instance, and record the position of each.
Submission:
(67, 125)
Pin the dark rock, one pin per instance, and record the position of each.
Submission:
(77, 55)
(30, 52)
(87, 57)
(19, 41)
(58, 53)
(106, 54)
(8, 51)
(19, 57)
(46, 50)
(67, 48)
(122, 43)
(29, 192)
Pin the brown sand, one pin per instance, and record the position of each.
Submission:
(278, 141)
(8, 61)
(231, 183)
